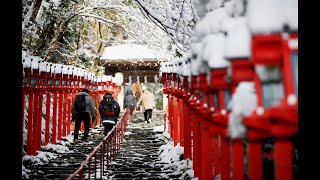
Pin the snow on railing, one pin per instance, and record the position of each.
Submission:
(164, 67)
(169, 67)
(211, 23)
(89, 76)
(179, 66)
(35, 62)
(26, 61)
(269, 16)
(43, 66)
(96, 79)
(75, 71)
(243, 103)
(48, 68)
(104, 78)
(174, 66)
(52, 68)
(238, 40)
(186, 68)
(99, 79)
(196, 59)
(64, 69)
(213, 51)
(58, 68)
(109, 78)
(70, 70)
(81, 72)
(85, 74)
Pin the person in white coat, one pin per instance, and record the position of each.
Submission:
(147, 100)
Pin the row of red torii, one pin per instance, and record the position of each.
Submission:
(62, 83)
(201, 123)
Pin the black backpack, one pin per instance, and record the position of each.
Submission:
(80, 103)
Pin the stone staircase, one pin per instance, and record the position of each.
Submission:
(138, 157)
(139, 154)
(66, 162)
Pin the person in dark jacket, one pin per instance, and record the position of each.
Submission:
(109, 110)
(130, 102)
(84, 116)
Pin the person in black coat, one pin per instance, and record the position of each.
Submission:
(109, 110)
(84, 116)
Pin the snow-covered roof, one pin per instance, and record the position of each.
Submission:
(129, 52)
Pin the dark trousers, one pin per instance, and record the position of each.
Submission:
(147, 114)
(85, 117)
(107, 128)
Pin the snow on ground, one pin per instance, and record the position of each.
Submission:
(173, 156)
(49, 152)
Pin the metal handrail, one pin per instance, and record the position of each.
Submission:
(111, 140)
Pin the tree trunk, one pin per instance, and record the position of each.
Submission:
(36, 8)
(101, 37)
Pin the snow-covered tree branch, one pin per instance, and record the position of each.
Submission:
(175, 17)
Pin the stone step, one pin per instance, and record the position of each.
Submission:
(137, 149)
(146, 175)
(149, 170)
(139, 165)
(50, 176)
(145, 178)
(61, 166)
(137, 160)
